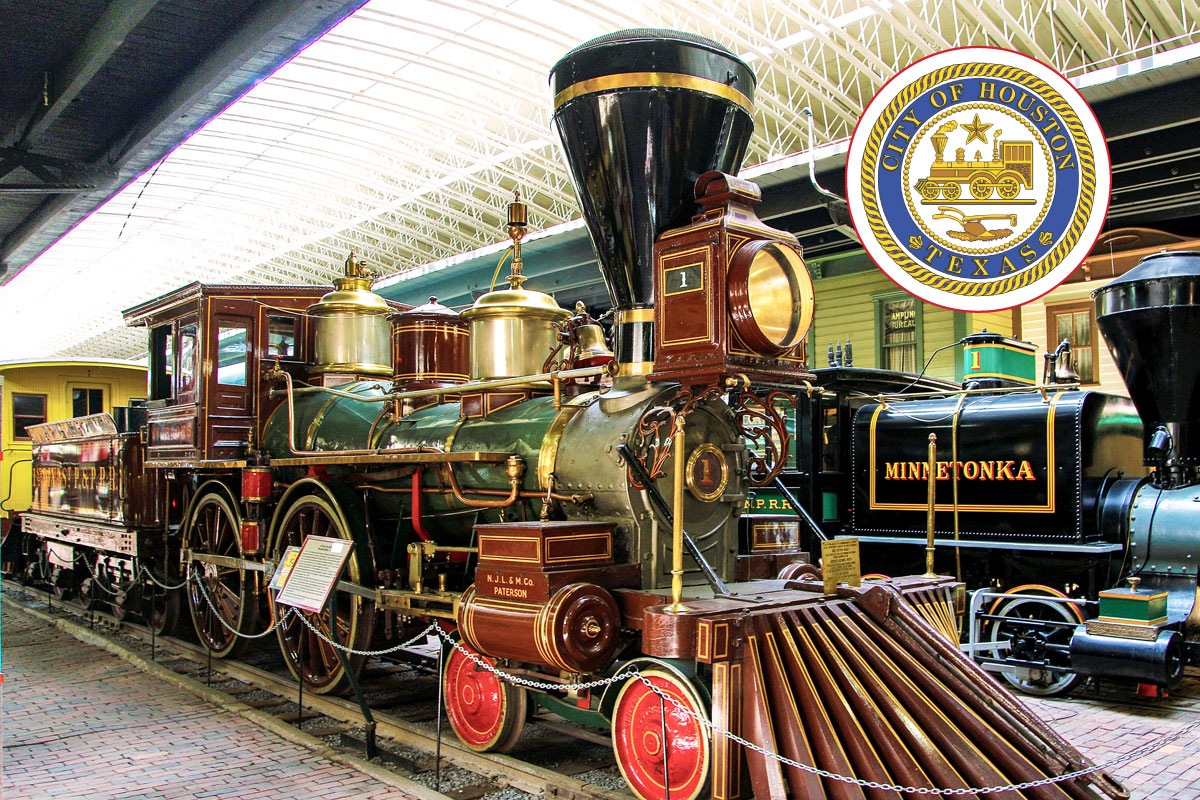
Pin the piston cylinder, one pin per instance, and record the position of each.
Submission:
(576, 630)
(1158, 661)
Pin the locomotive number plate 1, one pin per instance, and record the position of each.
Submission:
(978, 179)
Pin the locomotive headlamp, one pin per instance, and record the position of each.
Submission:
(770, 296)
(732, 295)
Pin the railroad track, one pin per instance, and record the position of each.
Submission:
(408, 745)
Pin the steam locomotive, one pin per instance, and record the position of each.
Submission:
(572, 517)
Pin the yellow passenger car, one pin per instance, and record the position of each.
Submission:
(35, 391)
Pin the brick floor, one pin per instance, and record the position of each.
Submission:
(77, 722)
(1111, 720)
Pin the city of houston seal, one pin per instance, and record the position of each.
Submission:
(978, 179)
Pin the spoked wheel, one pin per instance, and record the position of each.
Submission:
(1008, 187)
(218, 597)
(97, 588)
(63, 582)
(125, 601)
(1039, 644)
(308, 656)
(951, 191)
(160, 609)
(89, 593)
(981, 188)
(641, 719)
(487, 713)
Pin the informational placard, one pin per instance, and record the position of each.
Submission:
(315, 573)
(285, 568)
(839, 563)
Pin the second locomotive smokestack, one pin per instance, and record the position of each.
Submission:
(642, 114)
(1150, 317)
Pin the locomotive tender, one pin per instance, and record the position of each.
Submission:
(574, 521)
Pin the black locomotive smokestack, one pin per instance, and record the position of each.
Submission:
(1151, 319)
(642, 114)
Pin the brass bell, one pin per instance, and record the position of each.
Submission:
(1065, 371)
(590, 348)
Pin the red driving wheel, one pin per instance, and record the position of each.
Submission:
(638, 729)
(485, 712)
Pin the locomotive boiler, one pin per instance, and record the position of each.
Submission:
(572, 518)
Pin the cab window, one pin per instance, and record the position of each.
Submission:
(281, 337)
(231, 354)
(162, 362)
(185, 363)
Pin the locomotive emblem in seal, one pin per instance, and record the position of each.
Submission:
(978, 179)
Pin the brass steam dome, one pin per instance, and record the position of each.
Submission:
(352, 334)
(514, 301)
(514, 331)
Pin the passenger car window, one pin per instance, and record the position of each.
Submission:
(28, 409)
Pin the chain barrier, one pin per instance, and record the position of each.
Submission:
(621, 674)
(351, 651)
(96, 577)
(187, 577)
(633, 673)
(204, 593)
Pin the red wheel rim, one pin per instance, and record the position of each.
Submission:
(475, 701)
(637, 738)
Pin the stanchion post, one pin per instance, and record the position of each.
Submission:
(677, 606)
(344, 658)
(300, 675)
(929, 547)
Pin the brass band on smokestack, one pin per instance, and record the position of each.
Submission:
(641, 115)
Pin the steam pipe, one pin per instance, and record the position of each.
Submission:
(499, 383)
(577, 499)
(418, 526)
(275, 374)
(516, 470)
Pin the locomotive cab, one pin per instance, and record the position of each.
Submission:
(208, 343)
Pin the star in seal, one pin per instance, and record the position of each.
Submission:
(976, 130)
